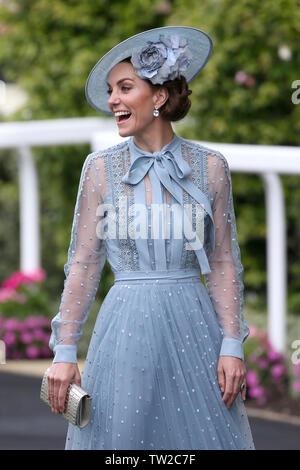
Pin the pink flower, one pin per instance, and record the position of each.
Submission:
(6, 293)
(11, 324)
(250, 81)
(253, 331)
(252, 378)
(256, 392)
(32, 352)
(42, 321)
(14, 280)
(296, 385)
(277, 370)
(274, 355)
(22, 326)
(39, 275)
(262, 363)
(19, 277)
(240, 76)
(39, 335)
(32, 322)
(26, 337)
(9, 338)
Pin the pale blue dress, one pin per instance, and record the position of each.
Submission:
(151, 366)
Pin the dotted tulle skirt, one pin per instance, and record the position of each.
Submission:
(151, 369)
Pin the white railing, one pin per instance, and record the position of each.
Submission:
(266, 161)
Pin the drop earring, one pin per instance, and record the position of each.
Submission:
(156, 112)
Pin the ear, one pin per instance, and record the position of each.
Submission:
(161, 96)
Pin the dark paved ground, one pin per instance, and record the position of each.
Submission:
(26, 423)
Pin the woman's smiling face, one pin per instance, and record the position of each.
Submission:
(130, 93)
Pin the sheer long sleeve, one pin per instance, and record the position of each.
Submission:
(225, 282)
(86, 259)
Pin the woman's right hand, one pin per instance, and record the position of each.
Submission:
(60, 375)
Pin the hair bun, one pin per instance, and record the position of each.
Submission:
(178, 103)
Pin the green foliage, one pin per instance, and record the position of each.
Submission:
(247, 36)
(49, 48)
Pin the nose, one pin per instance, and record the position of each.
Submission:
(113, 98)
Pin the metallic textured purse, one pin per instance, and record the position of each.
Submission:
(78, 403)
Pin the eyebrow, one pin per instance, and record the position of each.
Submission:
(119, 81)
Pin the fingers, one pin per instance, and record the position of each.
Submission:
(221, 378)
(231, 375)
(62, 395)
(50, 390)
(77, 378)
(60, 376)
(58, 394)
(53, 386)
(232, 389)
(244, 391)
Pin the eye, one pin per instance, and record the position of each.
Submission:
(123, 88)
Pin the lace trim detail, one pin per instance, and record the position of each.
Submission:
(128, 254)
(188, 257)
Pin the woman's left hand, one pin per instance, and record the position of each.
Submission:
(231, 375)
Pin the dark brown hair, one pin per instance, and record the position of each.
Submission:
(178, 104)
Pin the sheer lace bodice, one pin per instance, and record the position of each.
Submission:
(114, 197)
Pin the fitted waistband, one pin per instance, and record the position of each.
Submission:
(176, 275)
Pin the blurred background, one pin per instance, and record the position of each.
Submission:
(247, 94)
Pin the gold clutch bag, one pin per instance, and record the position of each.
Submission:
(78, 403)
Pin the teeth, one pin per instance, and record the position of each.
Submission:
(122, 113)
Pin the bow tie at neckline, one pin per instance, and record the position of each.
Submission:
(172, 170)
(165, 165)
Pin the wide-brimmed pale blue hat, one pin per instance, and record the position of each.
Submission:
(158, 54)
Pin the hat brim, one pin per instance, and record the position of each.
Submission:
(199, 43)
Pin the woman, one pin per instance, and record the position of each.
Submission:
(165, 365)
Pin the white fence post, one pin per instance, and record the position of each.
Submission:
(276, 260)
(29, 211)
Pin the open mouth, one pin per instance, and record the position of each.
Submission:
(123, 118)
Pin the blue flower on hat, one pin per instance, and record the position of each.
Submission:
(163, 60)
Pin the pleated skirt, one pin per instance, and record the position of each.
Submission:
(151, 369)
